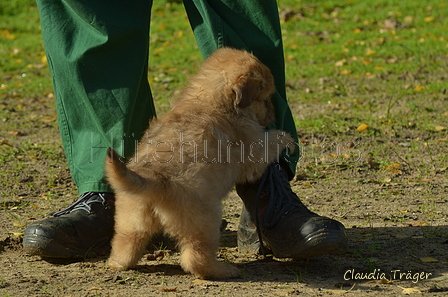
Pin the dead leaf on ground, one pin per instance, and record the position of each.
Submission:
(429, 260)
(384, 281)
(48, 119)
(418, 88)
(409, 291)
(362, 128)
(340, 63)
(165, 289)
(18, 224)
(156, 256)
(419, 224)
(394, 168)
(16, 133)
(370, 52)
(307, 185)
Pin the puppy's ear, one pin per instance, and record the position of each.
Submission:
(246, 89)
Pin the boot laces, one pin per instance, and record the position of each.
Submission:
(84, 203)
(281, 199)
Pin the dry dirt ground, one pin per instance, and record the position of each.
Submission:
(388, 189)
(397, 255)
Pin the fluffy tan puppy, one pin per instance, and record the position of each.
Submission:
(213, 137)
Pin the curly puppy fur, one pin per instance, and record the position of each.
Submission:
(214, 136)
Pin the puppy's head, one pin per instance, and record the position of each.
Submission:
(248, 84)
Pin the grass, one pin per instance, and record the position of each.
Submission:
(354, 59)
(333, 48)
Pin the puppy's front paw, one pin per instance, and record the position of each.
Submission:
(111, 263)
(219, 271)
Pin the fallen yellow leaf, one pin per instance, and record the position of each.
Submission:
(418, 88)
(429, 260)
(362, 128)
(370, 52)
(439, 128)
(409, 291)
(384, 281)
(307, 185)
(34, 205)
(429, 19)
(48, 119)
(394, 168)
(7, 34)
(340, 63)
(17, 224)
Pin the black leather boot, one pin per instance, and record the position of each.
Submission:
(82, 230)
(274, 220)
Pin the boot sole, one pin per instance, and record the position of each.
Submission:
(41, 246)
(316, 244)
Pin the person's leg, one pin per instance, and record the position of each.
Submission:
(284, 224)
(98, 57)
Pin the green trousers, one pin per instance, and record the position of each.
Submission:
(98, 57)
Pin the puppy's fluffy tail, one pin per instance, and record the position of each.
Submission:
(120, 177)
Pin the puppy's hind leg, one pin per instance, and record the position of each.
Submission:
(135, 223)
(199, 246)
